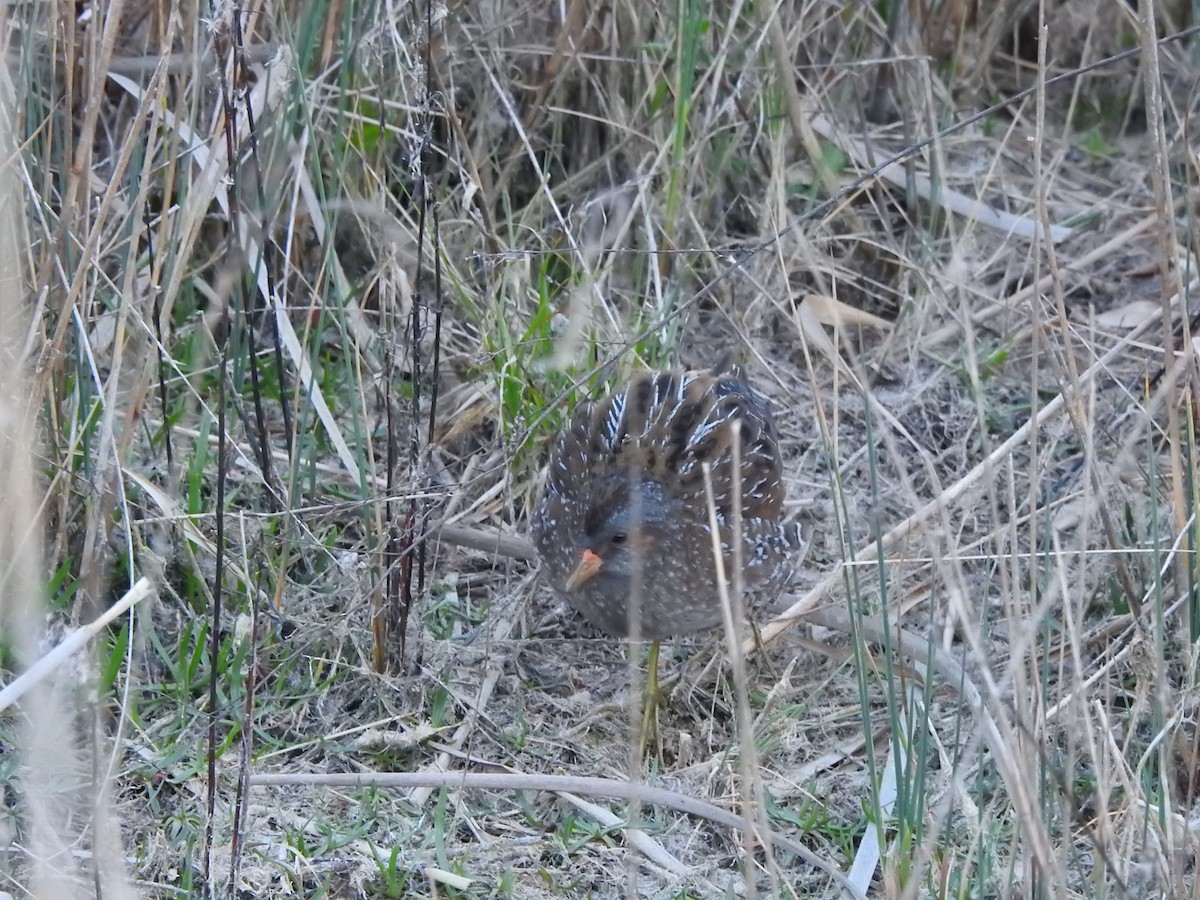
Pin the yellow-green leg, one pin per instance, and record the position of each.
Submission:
(652, 698)
(759, 650)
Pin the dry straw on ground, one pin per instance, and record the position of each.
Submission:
(301, 292)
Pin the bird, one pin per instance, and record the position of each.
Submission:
(622, 527)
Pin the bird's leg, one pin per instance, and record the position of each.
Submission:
(652, 699)
(760, 654)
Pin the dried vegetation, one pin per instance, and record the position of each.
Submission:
(305, 289)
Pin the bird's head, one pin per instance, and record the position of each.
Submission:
(626, 528)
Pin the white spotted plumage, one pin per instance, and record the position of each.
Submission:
(632, 467)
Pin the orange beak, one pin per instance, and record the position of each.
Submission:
(589, 565)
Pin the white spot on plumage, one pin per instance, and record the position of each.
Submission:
(616, 412)
(700, 433)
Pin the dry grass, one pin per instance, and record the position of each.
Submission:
(294, 366)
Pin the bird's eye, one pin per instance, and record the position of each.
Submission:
(619, 538)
